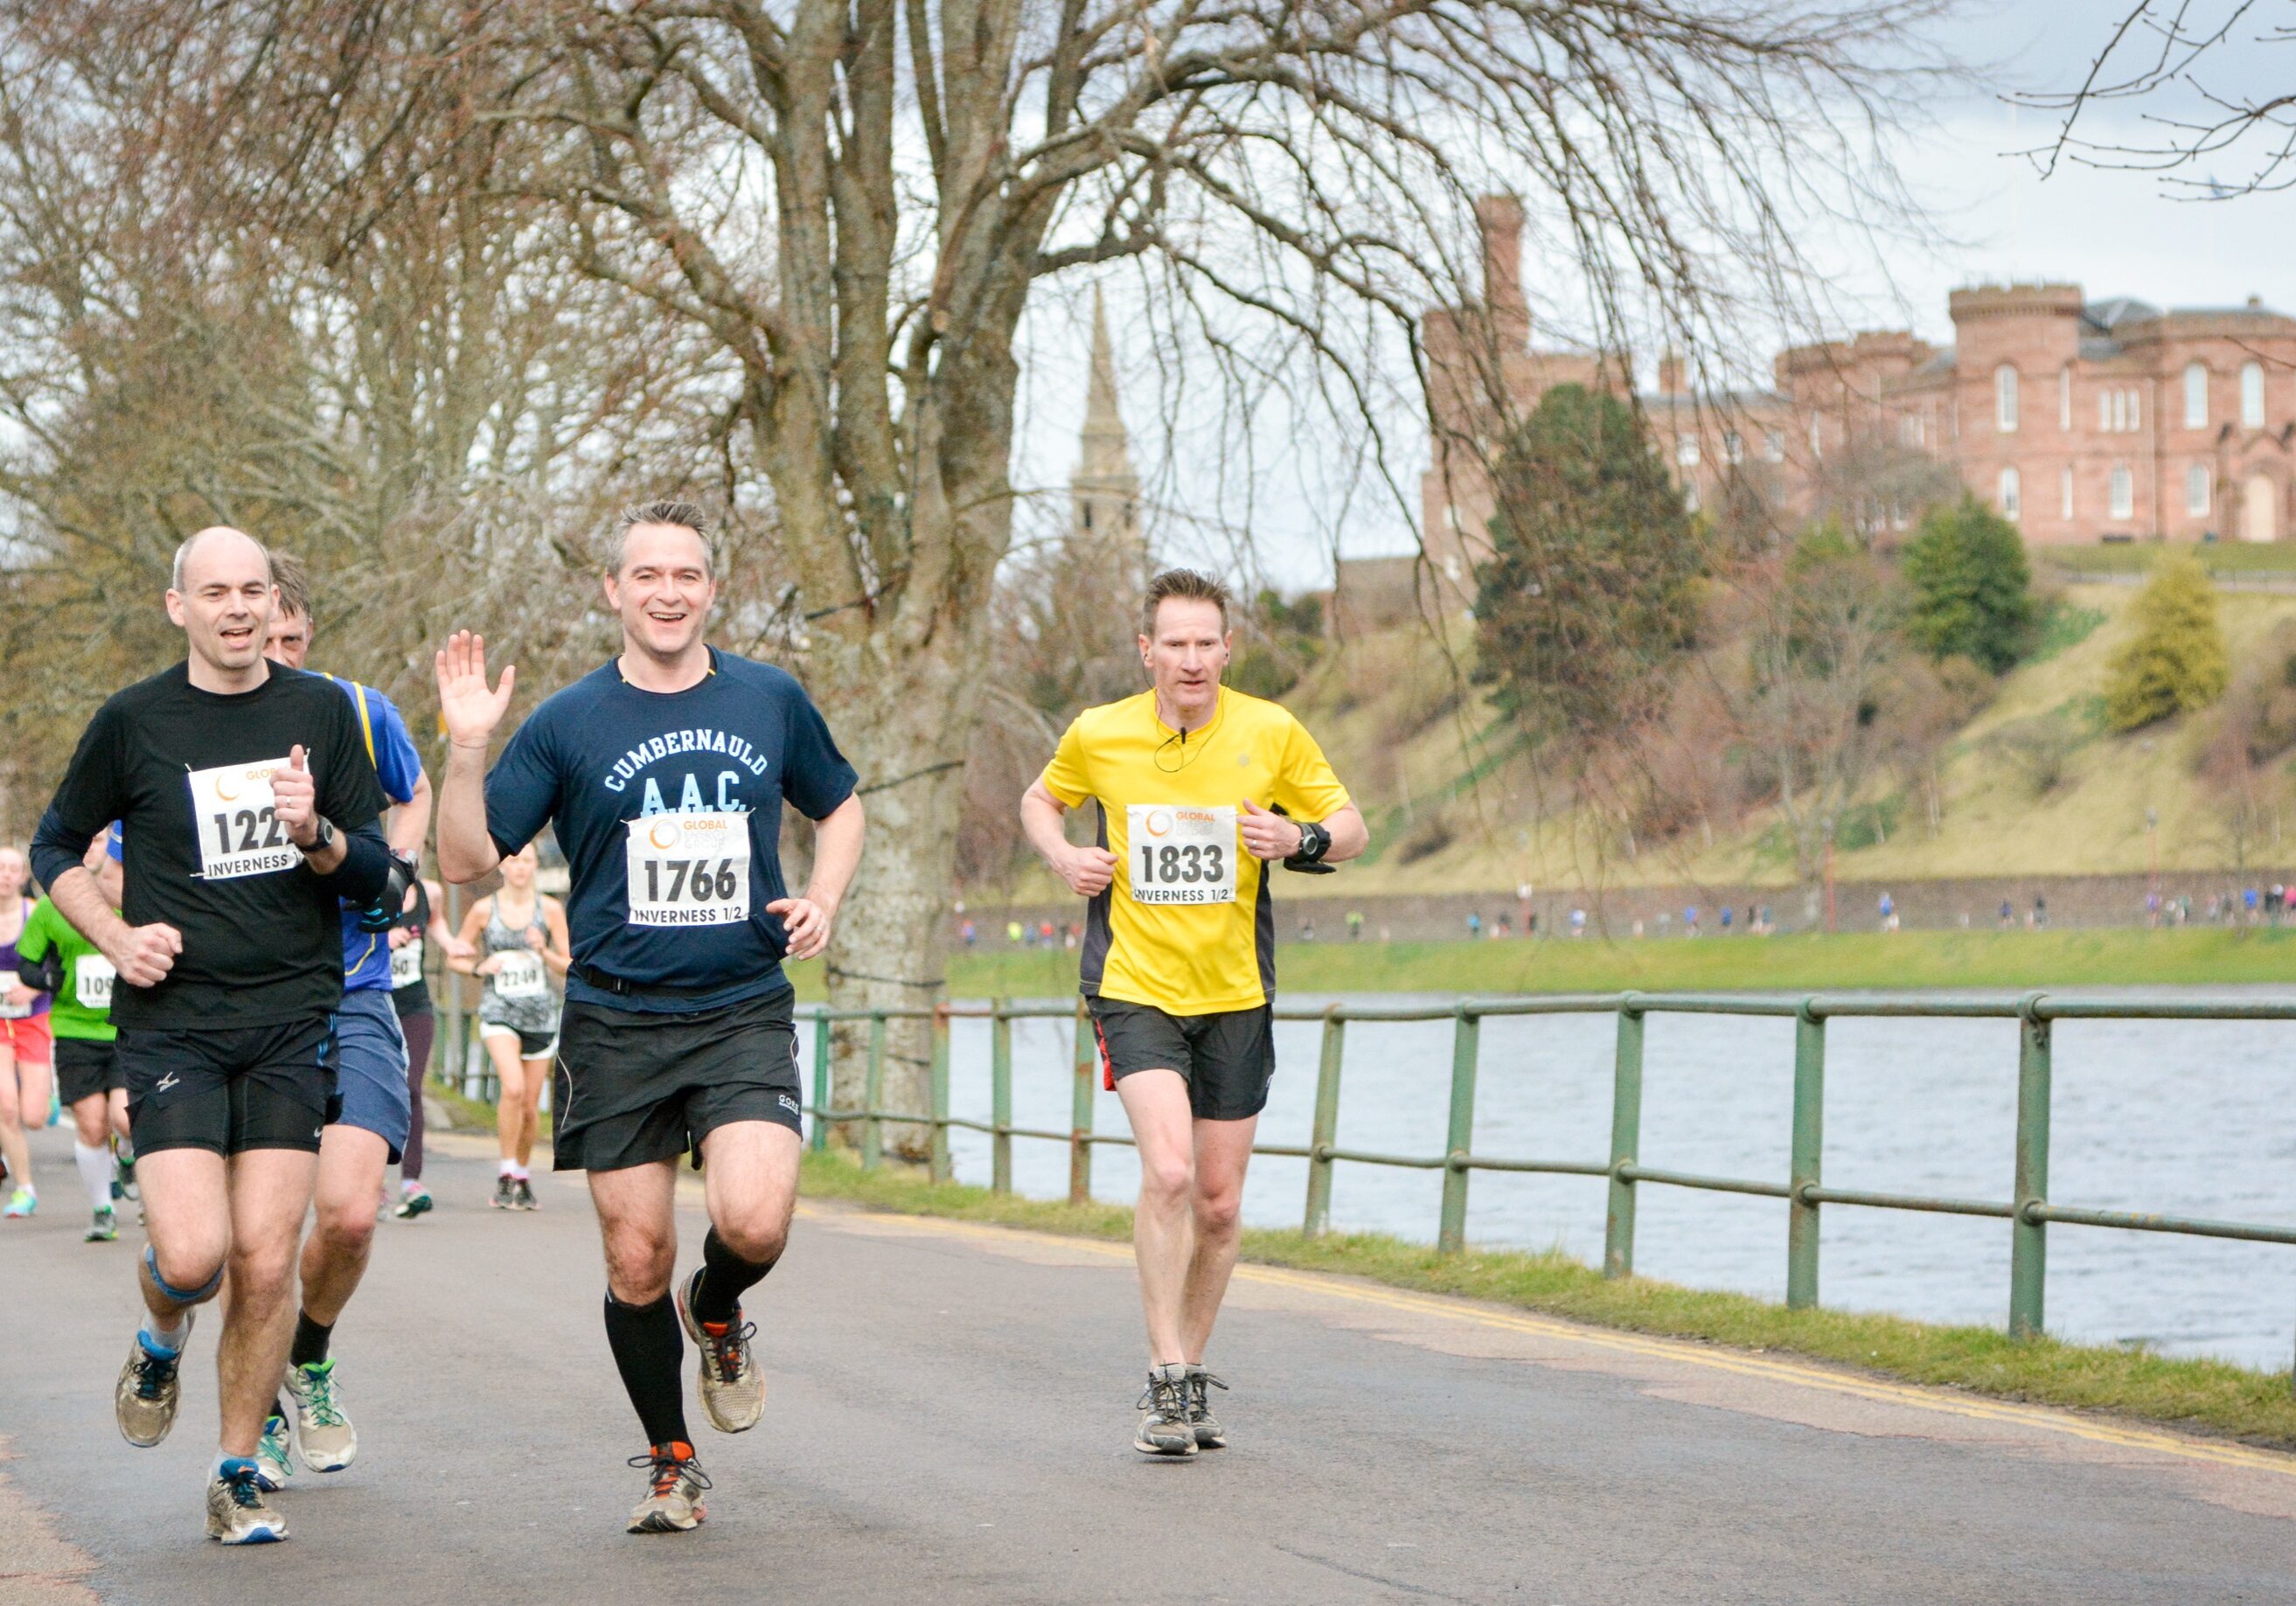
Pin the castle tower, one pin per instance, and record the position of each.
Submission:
(1103, 491)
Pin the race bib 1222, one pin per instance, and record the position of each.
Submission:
(689, 869)
(1180, 854)
(240, 833)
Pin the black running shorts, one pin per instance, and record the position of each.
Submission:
(83, 1069)
(229, 1090)
(1227, 1059)
(632, 1087)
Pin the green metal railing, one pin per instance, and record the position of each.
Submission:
(2029, 1211)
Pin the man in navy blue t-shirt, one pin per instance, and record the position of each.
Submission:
(664, 773)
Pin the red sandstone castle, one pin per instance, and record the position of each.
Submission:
(2079, 421)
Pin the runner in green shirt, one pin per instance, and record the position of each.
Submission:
(80, 978)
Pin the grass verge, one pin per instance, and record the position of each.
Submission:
(2209, 1396)
(1797, 963)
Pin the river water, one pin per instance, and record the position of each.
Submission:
(2192, 1117)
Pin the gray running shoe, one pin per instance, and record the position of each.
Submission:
(148, 1389)
(323, 1432)
(1209, 1434)
(505, 1193)
(732, 1389)
(103, 1226)
(236, 1514)
(674, 1486)
(523, 1198)
(1164, 1426)
(274, 1462)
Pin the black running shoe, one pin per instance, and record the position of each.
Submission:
(505, 1193)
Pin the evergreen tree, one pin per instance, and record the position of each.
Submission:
(1972, 587)
(1591, 588)
(2175, 660)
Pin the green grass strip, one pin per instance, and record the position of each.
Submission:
(2209, 1396)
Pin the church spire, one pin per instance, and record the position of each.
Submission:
(1104, 491)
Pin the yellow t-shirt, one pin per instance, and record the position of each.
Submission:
(1187, 926)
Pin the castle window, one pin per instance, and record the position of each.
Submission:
(1733, 447)
(2004, 398)
(2065, 494)
(2104, 409)
(1685, 450)
(2252, 395)
(1774, 445)
(2196, 395)
(1816, 439)
(2124, 496)
(2196, 488)
(2012, 498)
(2065, 398)
(1909, 430)
(1690, 495)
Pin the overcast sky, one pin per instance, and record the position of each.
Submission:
(2113, 232)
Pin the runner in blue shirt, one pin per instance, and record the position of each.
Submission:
(370, 1062)
(663, 775)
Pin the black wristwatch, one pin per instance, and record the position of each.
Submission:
(326, 837)
(1314, 842)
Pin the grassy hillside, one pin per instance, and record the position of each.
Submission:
(1456, 805)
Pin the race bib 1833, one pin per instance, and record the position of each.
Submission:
(407, 965)
(1180, 854)
(92, 978)
(689, 869)
(239, 833)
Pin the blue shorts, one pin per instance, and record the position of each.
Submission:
(370, 1060)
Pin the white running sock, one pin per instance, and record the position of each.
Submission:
(94, 1173)
(509, 1167)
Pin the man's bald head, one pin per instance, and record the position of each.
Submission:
(215, 540)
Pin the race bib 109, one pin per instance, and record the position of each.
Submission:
(92, 978)
(1180, 854)
(521, 976)
(239, 833)
(407, 966)
(689, 869)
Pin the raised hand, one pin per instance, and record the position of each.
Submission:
(470, 708)
(1269, 835)
(144, 954)
(295, 799)
(807, 923)
(1087, 871)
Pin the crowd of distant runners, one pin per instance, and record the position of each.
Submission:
(226, 981)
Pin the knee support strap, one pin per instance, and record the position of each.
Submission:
(180, 1296)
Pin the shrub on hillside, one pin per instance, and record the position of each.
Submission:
(2041, 750)
(2175, 660)
(1971, 589)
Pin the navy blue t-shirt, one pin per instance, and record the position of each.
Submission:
(668, 808)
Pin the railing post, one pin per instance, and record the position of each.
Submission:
(942, 1170)
(1327, 1125)
(821, 1051)
(1809, 1148)
(1080, 1108)
(1000, 1096)
(2029, 1235)
(1625, 1138)
(1466, 1042)
(872, 1096)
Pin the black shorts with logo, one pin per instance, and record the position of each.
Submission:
(83, 1069)
(227, 1090)
(1227, 1059)
(631, 1087)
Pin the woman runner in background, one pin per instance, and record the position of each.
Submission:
(518, 940)
(410, 995)
(26, 1055)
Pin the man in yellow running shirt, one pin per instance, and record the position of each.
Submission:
(1179, 952)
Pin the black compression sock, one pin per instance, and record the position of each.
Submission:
(726, 1277)
(649, 1352)
(310, 1341)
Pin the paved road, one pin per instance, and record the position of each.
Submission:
(949, 1422)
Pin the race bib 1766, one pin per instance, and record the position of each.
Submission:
(689, 869)
(92, 978)
(239, 833)
(1180, 854)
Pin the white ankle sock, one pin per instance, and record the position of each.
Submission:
(94, 1173)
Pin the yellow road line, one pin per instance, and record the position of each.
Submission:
(1684, 1352)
